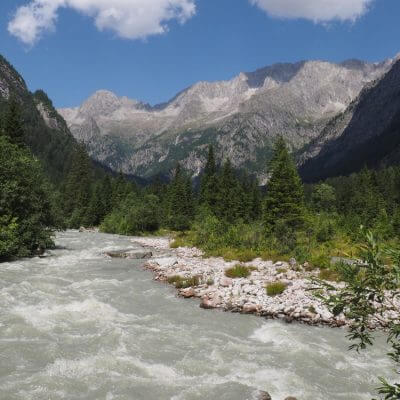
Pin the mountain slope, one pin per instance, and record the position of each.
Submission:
(367, 133)
(47, 134)
(241, 117)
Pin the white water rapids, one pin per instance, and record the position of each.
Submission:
(78, 325)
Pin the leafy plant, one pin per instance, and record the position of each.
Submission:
(365, 297)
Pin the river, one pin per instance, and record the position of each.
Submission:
(77, 325)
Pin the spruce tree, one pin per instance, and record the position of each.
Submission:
(180, 205)
(284, 202)
(13, 127)
(229, 195)
(77, 193)
(209, 182)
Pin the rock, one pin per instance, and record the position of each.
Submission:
(251, 308)
(226, 282)
(165, 262)
(187, 293)
(292, 262)
(130, 253)
(263, 395)
(291, 398)
(207, 304)
(278, 264)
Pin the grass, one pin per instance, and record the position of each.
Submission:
(281, 270)
(329, 275)
(178, 242)
(183, 283)
(238, 271)
(276, 288)
(231, 254)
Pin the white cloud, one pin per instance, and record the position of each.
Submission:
(315, 10)
(130, 19)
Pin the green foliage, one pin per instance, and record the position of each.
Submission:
(371, 286)
(238, 271)
(328, 274)
(183, 283)
(12, 126)
(179, 202)
(284, 201)
(134, 216)
(324, 198)
(275, 288)
(26, 212)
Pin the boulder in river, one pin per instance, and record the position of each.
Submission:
(262, 395)
(187, 293)
(132, 254)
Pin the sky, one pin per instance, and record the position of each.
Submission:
(151, 49)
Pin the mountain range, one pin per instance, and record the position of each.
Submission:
(241, 117)
(336, 118)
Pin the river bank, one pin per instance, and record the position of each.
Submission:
(247, 295)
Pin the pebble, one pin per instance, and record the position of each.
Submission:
(246, 295)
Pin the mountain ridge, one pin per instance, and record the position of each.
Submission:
(242, 117)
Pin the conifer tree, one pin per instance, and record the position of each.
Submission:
(13, 127)
(284, 202)
(180, 207)
(230, 195)
(209, 182)
(78, 189)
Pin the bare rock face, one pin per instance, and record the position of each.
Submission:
(366, 133)
(242, 117)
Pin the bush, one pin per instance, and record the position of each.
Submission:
(134, 216)
(325, 233)
(276, 288)
(238, 271)
(27, 216)
(183, 283)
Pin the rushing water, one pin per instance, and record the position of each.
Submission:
(77, 325)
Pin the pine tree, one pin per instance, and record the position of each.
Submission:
(180, 205)
(77, 193)
(284, 200)
(209, 182)
(13, 127)
(229, 195)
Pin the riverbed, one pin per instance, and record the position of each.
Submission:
(80, 325)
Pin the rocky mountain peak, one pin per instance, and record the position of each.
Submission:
(242, 117)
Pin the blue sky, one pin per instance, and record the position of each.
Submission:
(70, 56)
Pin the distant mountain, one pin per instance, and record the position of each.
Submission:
(241, 117)
(47, 133)
(367, 133)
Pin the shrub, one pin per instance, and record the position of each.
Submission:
(276, 288)
(183, 283)
(320, 260)
(238, 271)
(325, 233)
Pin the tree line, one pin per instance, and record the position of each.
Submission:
(227, 210)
